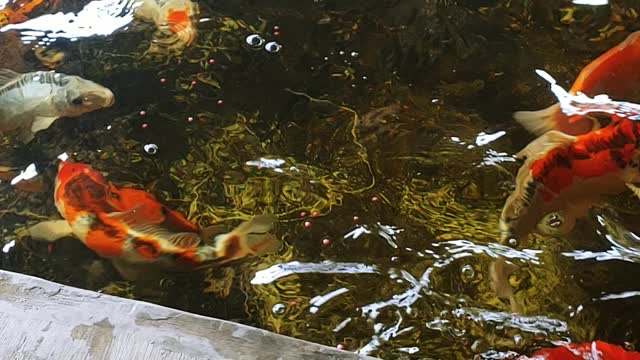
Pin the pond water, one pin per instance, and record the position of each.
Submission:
(379, 132)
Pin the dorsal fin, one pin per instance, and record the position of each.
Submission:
(540, 146)
(135, 220)
(167, 239)
(184, 240)
(7, 76)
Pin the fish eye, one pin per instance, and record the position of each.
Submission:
(77, 101)
(115, 196)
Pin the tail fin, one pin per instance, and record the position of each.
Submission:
(541, 121)
(252, 237)
(552, 118)
(499, 272)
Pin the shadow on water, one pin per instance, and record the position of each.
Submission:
(381, 136)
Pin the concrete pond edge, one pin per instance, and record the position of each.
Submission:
(40, 319)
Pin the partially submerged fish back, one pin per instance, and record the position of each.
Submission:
(614, 73)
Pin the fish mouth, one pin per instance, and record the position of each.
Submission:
(111, 99)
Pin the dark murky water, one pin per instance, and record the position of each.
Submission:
(380, 134)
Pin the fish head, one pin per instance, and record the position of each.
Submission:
(520, 215)
(82, 96)
(67, 170)
(80, 188)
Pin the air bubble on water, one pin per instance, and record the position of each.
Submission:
(273, 47)
(151, 149)
(555, 221)
(468, 272)
(254, 40)
(278, 309)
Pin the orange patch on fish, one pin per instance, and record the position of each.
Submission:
(615, 72)
(595, 154)
(177, 20)
(106, 237)
(601, 350)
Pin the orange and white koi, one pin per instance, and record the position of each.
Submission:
(565, 175)
(614, 73)
(175, 22)
(136, 232)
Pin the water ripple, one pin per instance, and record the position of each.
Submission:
(278, 271)
(97, 18)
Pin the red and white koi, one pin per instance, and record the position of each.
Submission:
(136, 232)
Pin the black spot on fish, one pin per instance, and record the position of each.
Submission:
(108, 230)
(82, 192)
(618, 157)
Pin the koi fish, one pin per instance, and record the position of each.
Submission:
(49, 57)
(31, 102)
(174, 20)
(25, 180)
(614, 73)
(566, 175)
(16, 11)
(137, 233)
(596, 350)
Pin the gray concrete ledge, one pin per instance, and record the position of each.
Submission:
(40, 319)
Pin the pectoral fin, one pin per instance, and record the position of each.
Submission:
(634, 189)
(7, 76)
(41, 123)
(50, 230)
(143, 227)
(24, 135)
(543, 144)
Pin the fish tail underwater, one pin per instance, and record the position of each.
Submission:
(371, 175)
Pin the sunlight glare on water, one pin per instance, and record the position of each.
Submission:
(97, 18)
(379, 134)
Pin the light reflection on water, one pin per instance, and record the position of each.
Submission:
(410, 276)
(625, 245)
(97, 18)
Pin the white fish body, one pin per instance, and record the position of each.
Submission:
(33, 101)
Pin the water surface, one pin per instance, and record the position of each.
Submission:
(380, 134)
